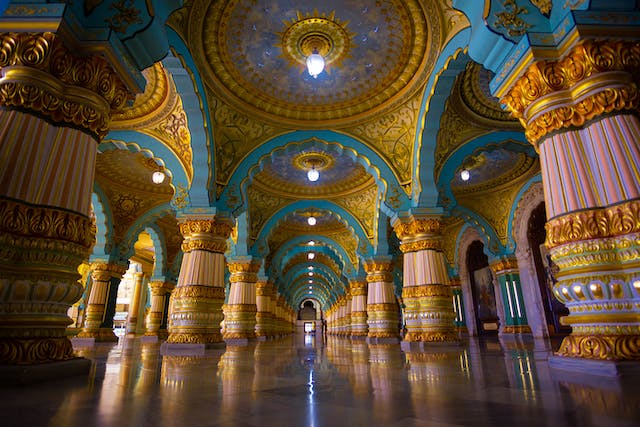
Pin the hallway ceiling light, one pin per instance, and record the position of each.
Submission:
(311, 255)
(311, 243)
(311, 273)
(315, 65)
(310, 267)
(158, 177)
(465, 175)
(313, 174)
(311, 220)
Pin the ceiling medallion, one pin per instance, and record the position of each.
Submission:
(316, 33)
(316, 160)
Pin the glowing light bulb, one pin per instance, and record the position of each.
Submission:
(313, 174)
(158, 177)
(465, 175)
(311, 221)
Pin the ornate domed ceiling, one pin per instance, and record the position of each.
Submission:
(253, 54)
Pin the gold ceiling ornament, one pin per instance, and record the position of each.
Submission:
(316, 159)
(316, 33)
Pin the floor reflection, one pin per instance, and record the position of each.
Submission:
(310, 381)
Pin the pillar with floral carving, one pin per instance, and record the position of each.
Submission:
(157, 317)
(264, 317)
(382, 308)
(579, 108)
(241, 309)
(56, 103)
(358, 291)
(515, 314)
(195, 310)
(426, 293)
(101, 305)
(137, 299)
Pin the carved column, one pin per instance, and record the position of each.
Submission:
(358, 291)
(98, 322)
(134, 305)
(382, 309)
(240, 320)
(55, 108)
(196, 303)
(157, 317)
(426, 292)
(581, 113)
(264, 317)
(515, 314)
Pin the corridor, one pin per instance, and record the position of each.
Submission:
(303, 381)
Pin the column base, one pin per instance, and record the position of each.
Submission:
(149, 338)
(446, 337)
(602, 368)
(99, 335)
(239, 341)
(30, 374)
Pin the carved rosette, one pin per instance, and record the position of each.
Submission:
(42, 75)
(594, 78)
(34, 300)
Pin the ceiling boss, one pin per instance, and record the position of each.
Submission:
(317, 41)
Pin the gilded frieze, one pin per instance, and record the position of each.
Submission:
(449, 238)
(262, 206)
(363, 206)
(393, 136)
(235, 134)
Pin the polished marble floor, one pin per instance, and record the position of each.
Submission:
(303, 381)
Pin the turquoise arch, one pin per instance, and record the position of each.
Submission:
(330, 140)
(146, 221)
(328, 245)
(340, 212)
(137, 142)
(512, 212)
(104, 224)
(159, 247)
(450, 63)
(290, 250)
(456, 261)
(180, 64)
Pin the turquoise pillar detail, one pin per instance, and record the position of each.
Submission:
(515, 314)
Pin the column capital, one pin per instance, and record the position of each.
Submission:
(358, 287)
(42, 75)
(593, 78)
(504, 265)
(205, 233)
(419, 232)
(243, 271)
(159, 287)
(378, 270)
(106, 270)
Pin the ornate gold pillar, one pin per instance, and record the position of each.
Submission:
(358, 291)
(196, 303)
(264, 317)
(241, 309)
(581, 113)
(382, 309)
(134, 306)
(98, 322)
(426, 292)
(157, 317)
(55, 108)
(515, 314)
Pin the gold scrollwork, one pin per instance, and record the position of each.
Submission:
(601, 223)
(431, 336)
(198, 291)
(193, 338)
(215, 246)
(601, 347)
(42, 75)
(576, 81)
(381, 307)
(159, 288)
(421, 245)
(504, 264)
(418, 227)
(240, 308)
(102, 271)
(16, 351)
(426, 291)
(205, 226)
